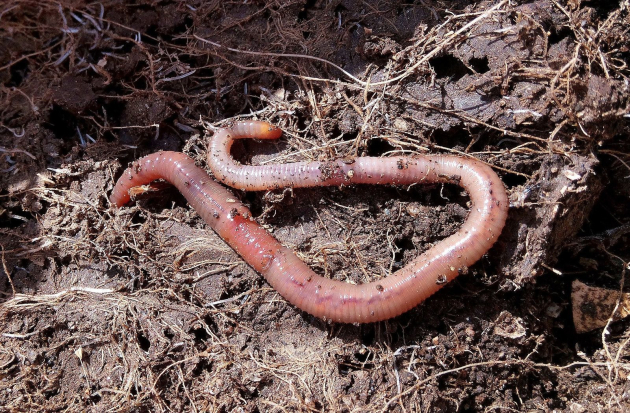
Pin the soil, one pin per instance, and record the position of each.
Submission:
(146, 309)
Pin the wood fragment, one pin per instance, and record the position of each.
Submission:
(593, 306)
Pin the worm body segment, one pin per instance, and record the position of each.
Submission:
(294, 280)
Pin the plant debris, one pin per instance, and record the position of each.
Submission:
(145, 308)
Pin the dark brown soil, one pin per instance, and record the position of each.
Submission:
(146, 309)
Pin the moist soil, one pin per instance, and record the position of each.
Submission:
(144, 308)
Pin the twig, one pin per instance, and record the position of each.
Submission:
(16, 150)
(505, 363)
(438, 49)
(6, 270)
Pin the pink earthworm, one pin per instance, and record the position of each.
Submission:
(294, 280)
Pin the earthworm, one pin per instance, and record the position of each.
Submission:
(294, 280)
